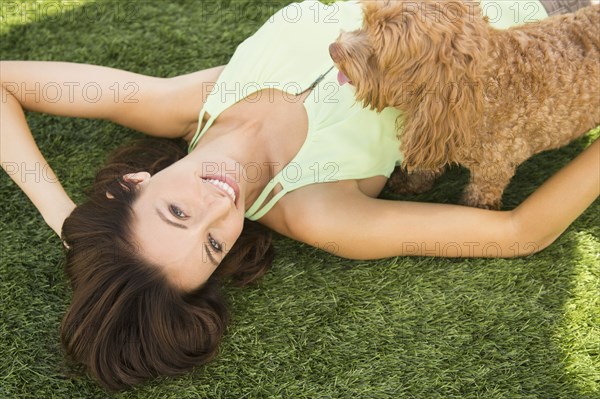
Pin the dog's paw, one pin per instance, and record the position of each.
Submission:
(402, 182)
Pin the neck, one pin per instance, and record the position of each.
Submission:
(238, 149)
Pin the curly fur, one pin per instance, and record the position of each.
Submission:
(471, 94)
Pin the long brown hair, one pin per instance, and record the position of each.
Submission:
(126, 323)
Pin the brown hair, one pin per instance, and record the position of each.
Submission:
(126, 323)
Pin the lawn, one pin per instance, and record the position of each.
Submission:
(316, 326)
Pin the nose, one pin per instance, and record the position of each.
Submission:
(216, 204)
(334, 52)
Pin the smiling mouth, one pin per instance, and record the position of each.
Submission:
(226, 185)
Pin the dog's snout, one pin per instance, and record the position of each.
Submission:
(334, 52)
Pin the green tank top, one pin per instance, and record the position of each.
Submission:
(290, 52)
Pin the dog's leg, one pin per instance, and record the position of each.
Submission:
(402, 182)
(486, 185)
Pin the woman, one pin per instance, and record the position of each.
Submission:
(143, 250)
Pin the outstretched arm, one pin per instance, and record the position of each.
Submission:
(549, 210)
(355, 226)
(24, 163)
(156, 106)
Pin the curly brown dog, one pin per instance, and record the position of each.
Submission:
(470, 94)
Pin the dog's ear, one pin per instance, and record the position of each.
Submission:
(384, 19)
(439, 77)
(383, 23)
(371, 9)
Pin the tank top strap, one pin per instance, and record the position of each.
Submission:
(199, 133)
(254, 213)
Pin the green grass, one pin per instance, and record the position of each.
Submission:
(316, 326)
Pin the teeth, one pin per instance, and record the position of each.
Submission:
(223, 186)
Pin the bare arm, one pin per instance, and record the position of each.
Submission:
(24, 163)
(156, 106)
(164, 107)
(355, 226)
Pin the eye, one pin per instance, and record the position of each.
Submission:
(213, 243)
(177, 212)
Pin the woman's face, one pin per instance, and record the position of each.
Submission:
(185, 221)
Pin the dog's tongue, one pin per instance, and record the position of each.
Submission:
(342, 79)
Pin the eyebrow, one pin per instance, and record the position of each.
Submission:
(181, 226)
(172, 223)
(212, 260)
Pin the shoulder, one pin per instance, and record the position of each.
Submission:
(303, 213)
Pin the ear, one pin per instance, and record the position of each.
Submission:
(446, 48)
(138, 178)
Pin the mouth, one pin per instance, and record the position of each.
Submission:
(335, 53)
(226, 185)
(343, 79)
